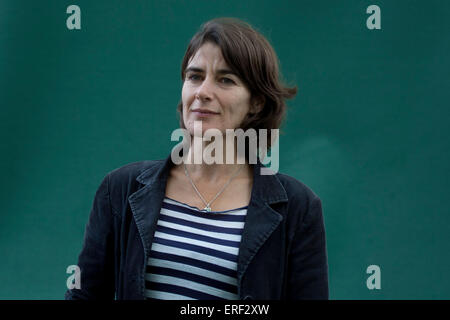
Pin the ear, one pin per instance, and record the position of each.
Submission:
(257, 104)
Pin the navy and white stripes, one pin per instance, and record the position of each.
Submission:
(194, 253)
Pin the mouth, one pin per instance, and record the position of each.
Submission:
(204, 112)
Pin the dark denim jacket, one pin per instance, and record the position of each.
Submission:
(282, 254)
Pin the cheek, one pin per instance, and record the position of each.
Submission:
(183, 107)
(243, 107)
(183, 96)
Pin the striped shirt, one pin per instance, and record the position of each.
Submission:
(194, 253)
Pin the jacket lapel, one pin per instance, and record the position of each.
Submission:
(146, 202)
(261, 219)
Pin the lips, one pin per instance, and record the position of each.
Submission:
(204, 111)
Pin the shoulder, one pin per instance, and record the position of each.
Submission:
(302, 200)
(123, 181)
(295, 188)
(128, 173)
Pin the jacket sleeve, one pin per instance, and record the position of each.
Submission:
(308, 266)
(96, 260)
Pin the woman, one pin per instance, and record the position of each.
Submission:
(191, 230)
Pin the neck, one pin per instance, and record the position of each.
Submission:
(211, 171)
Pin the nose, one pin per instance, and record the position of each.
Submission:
(204, 91)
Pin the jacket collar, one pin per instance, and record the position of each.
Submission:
(261, 219)
(266, 188)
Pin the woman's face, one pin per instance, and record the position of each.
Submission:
(212, 93)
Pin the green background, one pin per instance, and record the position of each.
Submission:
(368, 131)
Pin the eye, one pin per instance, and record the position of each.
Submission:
(226, 80)
(193, 77)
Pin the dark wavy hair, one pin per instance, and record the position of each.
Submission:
(249, 54)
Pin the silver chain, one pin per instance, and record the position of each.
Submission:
(208, 204)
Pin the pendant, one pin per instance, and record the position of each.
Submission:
(207, 208)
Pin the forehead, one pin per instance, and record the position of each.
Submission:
(208, 54)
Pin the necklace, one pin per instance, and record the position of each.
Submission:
(208, 204)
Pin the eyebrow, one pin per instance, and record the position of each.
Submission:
(220, 71)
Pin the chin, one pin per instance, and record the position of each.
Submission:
(205, 126)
